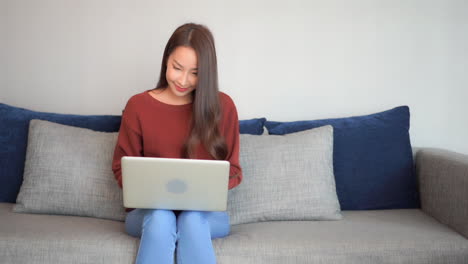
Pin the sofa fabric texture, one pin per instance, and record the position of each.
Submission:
(42, 238)
(373, 237)
(286, 178)
(372, 158)
(443, 181)
(68, 171)
(381, 236)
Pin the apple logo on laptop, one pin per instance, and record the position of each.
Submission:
(176, 186)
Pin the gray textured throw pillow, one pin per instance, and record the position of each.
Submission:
(68, 171)
(286, 177)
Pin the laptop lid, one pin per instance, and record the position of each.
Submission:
(175, 184)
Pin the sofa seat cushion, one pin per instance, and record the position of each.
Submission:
(384, 236)
(379, 236)
(35, 238)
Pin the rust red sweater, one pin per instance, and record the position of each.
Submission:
(151, 128)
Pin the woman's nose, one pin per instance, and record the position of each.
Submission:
(183, 80)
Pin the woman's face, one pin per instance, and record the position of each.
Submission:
(181, 73)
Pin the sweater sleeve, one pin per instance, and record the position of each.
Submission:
(129, 141)
(231, 134)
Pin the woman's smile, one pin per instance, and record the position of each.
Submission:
(180, 89)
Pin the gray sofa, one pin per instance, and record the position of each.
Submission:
(436, 233)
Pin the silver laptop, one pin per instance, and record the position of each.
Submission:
(175, 184)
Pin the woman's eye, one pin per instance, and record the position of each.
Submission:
(195, 73)
(177, 68)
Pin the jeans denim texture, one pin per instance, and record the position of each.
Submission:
(162, 231)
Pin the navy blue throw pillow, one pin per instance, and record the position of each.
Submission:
(372, 158)
(252, 126)
(14, 127)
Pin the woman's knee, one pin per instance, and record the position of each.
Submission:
(219, 224)
(191, 220)
(134, 221)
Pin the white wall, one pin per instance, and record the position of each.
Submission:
(3, 50)
(285, 60)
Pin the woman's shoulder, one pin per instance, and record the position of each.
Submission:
(137, 98)
(228, 107)
(226, 100)
(135, 106)
(136, 101)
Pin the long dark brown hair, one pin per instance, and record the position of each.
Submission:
(206, 106)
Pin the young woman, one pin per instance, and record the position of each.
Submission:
(185, 116)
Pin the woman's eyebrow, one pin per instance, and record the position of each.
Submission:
(180, 65)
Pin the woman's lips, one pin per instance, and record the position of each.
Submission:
(180, 89)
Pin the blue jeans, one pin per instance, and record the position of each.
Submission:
(161, 229)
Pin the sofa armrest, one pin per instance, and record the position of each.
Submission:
(443, 186)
